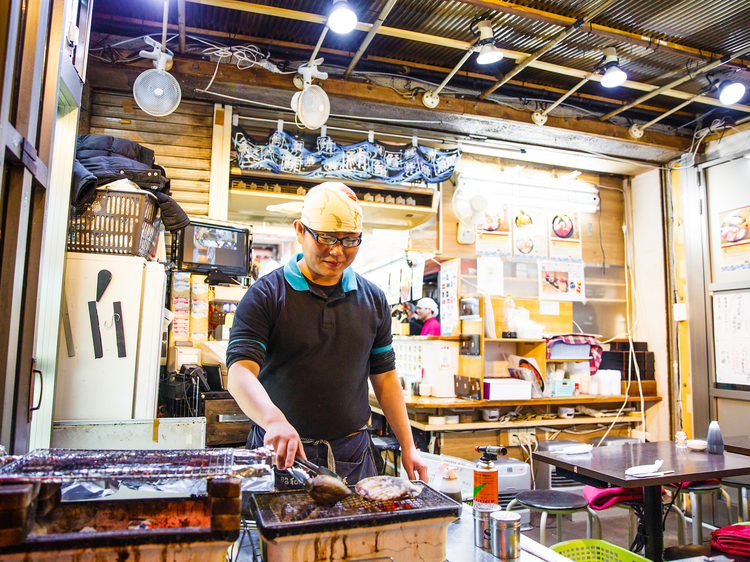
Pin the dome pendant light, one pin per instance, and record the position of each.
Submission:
(613, 75)
(731, 92)
(488, 53)
(342, 18)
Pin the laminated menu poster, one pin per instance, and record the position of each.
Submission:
(735, 242)
(732, 337)
(493, 233)
(564, 236)
(562, 281)
(449, 316)
(529, 232)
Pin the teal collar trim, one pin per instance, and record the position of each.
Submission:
(298, 281)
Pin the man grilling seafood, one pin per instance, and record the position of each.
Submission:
(306, 338)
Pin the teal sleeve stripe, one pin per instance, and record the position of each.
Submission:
(377, 350)
(246, 339)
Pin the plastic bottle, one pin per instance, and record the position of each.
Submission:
(509, 318)
(714, 440)
(485, 476)
(449, 484)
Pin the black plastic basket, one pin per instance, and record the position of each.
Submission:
(117, 222)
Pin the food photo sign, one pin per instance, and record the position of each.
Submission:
(565, 236)
(529, 233)
(735, 242)
(561, 281)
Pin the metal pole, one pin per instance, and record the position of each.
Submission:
(455, 69)
(317, 47)
(723, 60)
(370, 34)
(567, 94)
(165, 21)
(670, 112)
(181, 24)
(547, 46)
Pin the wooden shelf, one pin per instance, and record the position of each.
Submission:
(531, 423)
(569, 360)
(513, 340)
(457, 403)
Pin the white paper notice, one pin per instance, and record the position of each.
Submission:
(549, 308)
(490, 275)
(561, 281)
(448, 296)
(732, 337)
(445, 357)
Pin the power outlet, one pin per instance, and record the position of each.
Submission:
(521, 436)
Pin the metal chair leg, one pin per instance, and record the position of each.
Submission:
(743, 504)
(681, 524)
(543, 529)
(512, 502)
(631, 527)
(559, 527)
(593, 517)
(696, 507)
(729, 504)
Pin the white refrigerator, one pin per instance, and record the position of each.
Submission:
(124, 382)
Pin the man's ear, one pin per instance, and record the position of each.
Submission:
(299, 230)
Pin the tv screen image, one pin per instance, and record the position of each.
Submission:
(212, 247)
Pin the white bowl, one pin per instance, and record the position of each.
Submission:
(696, 444)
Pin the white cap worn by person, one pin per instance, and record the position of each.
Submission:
(428, 303)
(328, 207)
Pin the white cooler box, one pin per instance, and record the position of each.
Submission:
(506, 389)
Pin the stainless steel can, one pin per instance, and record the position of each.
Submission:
(482, 528)
(505, 534)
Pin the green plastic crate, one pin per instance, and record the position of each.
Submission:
(595, 550)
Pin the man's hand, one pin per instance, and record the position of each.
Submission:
(414, 465)
(286, 443)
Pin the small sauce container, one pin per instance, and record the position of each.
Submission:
(505, 534)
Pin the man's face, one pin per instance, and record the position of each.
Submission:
(325, 264)
(423, 313)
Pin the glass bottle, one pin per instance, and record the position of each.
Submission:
(509, 318)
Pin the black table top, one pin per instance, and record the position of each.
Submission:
(739, 444)
(608, 464)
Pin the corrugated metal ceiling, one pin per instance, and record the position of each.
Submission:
(717, 26)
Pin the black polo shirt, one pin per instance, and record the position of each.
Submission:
(315, 351)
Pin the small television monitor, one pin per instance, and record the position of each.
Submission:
(206, 245)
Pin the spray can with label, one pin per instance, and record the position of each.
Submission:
(485, 476)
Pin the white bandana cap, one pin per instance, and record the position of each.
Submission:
(427, 303)
(327, 207)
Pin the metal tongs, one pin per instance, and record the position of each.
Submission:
(326, 487)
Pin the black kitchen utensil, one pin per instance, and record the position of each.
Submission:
(326, 488)
(102, 282)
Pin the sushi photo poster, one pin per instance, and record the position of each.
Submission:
(561, 281)
(735, 242)
(529, 232)
(564, 236)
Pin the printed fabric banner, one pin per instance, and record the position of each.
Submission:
(321, 157)
(735, 244)
(564, 236)
(529, 233)
(561, 281)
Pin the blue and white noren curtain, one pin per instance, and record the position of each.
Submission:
(319, 157)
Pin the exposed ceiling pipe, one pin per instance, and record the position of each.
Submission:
(637, 132)
(370, 34)
(540, 117)
(559, 38)
(181, 24)
(690, 76)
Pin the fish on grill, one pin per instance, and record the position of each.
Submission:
(387, 488)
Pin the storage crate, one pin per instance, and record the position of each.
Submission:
(561, 350)
(117, 222)
(595, 550)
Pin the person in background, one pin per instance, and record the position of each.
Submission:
(415, 326)
(427, 310)
(305, 340)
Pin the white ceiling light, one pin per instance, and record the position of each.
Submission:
(731, 92)
(342, 18)
(488, 53)
(613, 75)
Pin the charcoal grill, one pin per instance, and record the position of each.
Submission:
(293, 527)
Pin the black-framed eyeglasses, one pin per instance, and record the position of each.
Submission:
(328, 240)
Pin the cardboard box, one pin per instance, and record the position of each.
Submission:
(506, 389)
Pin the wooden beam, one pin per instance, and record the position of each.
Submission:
(198, 73)
(627, 37)
(516, 55)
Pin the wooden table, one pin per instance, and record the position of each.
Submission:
(604, 467)
(739, 444)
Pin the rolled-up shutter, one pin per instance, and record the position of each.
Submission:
(181, 141)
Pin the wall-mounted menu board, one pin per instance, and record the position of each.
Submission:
(732, 337)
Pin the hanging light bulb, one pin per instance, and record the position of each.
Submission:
(488, 53)
(613, 75)
(731, 92)
(342, 18)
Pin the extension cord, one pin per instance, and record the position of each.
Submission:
(268, 65)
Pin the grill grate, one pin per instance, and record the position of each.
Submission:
(294, 512)
(69, 465)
